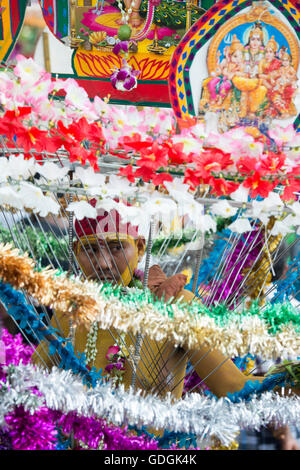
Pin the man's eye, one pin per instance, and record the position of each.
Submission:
(92, 249)
(115, 248)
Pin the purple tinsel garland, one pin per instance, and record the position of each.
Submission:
(39, 431)
(242, 257)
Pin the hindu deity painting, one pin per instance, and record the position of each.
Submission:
(252, 66)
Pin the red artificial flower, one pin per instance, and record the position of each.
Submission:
(153, 157)
(31, 138)
(292, 186)
(221, 187)
(64, 136)
(258, 186)
(127, 171)
(82, 130)
(145, 173)
(246, 165)
(10, 122)
(191, 178)
(211, 161)
(160, 178)
(272, 163)
(135, 142)
(176, 156)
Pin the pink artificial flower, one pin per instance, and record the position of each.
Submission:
(111, 352)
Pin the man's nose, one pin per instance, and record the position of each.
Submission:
(104, 260)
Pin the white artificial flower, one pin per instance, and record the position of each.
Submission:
(48, 206)
(241, 194)
(132, 214)
(252, 149)
(159, 205)
(82, 209)
(207, 223)
(77, 96)
(119, 186)
(282, 227)
(295, 207)
(89, 177)
(190, 207)
(33, 198)
(293, 220)
(19, 168)
(240, 225)
(8, 195)
(32, 195)
(4, 169)
(190, 144)
(107, 204)
(271, 205)
(283, 135)
(199, 131)
(177, 189)
(224, 209)
(39, 90)
(52, 172)
(161, 210)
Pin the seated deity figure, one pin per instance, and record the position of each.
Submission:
(232, 66)
(283, 89)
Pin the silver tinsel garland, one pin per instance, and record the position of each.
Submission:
(203, 416)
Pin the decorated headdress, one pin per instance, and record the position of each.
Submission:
(272, 44)
(286, 55)
(108, 225)
(257, 30)
(235, 45)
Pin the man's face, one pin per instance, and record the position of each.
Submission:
(106, 261)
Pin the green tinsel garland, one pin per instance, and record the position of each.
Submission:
(274, 315)
(39, 244)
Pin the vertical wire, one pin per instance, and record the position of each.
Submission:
(145, 284)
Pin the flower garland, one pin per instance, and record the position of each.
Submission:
(85, 302)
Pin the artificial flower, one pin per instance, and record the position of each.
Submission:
(9, 196)
(258, 186)
(82, 209)
(28, 71)
(283, 135)
(51, 171)
(282, 227)
(224, 209)
(241, 194)
(240, 225)
(121, 46)
(124, 79)
(111, 352)
(89, 177)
